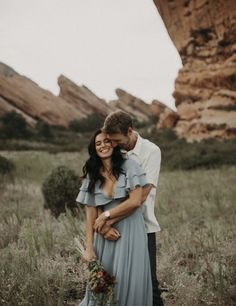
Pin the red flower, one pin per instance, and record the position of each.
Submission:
(100, 274)
(100, 281)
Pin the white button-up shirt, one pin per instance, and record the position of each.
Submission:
(148, 155)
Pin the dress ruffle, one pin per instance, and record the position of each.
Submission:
(133, 176)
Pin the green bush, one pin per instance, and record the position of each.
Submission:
(14, 126)
(43, 130)
(178, 154)
(60, 190)
(91, 123)
(6, 166)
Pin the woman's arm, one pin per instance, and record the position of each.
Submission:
(91, 215)
(125, 208)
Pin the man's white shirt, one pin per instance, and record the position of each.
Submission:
(148, 156)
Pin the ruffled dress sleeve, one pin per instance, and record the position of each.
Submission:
(95, 198)
(135, 175)
(85, 197)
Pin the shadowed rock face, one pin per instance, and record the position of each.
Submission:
(132, 105)
(20, 94)
(137, 108)
(204, 33)
(81, 98)
(33, 102)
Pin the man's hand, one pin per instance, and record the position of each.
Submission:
(99, 223)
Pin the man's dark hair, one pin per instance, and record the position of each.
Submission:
(117, 122)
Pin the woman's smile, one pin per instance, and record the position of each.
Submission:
(103, 145)
(105, 150)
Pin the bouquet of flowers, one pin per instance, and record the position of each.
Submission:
(100, 283)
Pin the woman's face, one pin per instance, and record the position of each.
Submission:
(103, 146)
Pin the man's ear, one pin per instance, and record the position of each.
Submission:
(130, 131)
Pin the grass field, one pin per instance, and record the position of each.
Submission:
(39, 265)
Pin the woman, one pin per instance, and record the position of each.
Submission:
(112, 189)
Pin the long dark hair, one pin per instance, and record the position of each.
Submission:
(93, 165)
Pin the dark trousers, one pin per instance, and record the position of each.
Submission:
(157, 300)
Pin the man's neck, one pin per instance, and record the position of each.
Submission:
(134, 138)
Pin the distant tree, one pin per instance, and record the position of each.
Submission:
(91, 123)
(60, 189)
(6, 166)
(44, 130)
(14, 126)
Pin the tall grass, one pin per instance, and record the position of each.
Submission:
(39, 264)
(197, 244)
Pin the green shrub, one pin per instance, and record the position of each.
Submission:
(60, 190)
(6, 166)
(91, 123)
(44, 130)
(14, 126)
(178, 154)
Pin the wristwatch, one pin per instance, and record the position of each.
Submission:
(107, 214)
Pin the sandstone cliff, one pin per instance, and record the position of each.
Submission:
(132, 105)
(82, 99)
(19, 93)
(34, 103)
(140, 110)
(204, 33)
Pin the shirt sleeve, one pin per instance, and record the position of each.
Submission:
(153, 166)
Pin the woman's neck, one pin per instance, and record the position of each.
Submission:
(107, 164)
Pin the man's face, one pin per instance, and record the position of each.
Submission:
(121, 140)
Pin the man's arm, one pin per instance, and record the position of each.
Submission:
(152, 169)
(145, 193)
(124, 208)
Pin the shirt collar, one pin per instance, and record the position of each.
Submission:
(137, 148)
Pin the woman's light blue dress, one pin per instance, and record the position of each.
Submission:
(127, 258)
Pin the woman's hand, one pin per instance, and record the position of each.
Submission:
(89, 255)
(109, 232)
(113, 234)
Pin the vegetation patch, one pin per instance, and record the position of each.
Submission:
(60, 189)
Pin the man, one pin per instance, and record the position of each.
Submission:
(118, 125)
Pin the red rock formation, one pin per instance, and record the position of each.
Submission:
(20, 93)
(157, 108)
(6, 107)
(132, 105)
(81, 98)
(203, 32)
(168, 119)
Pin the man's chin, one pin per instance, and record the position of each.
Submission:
(125, 148)
(122, 147)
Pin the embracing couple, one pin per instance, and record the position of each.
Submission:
(119, 190)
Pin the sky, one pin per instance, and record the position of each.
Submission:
(102, 44)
